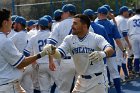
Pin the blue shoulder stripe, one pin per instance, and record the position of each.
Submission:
(52, 40)
(62, 52)
(19, 61)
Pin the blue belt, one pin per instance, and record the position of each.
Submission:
(67, 57)
(89, 76)
(4, 84)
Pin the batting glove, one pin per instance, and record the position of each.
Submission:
(48, 50)
(97, 56)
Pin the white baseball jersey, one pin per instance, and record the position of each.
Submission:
(36, 44)
(80, 49)
(32, 33)
(20, 40)
(12, 33)
(134, 25)
(121, 24)
(60, 31)
(10, 59)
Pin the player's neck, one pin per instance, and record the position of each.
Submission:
(4, 30)
(83, 34)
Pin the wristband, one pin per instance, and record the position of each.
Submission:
(124, 51)
(38, 56)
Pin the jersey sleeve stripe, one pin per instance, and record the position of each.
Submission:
(52, 40)
(62, 52)
(108, 45)
(26, 53)
(19, 61)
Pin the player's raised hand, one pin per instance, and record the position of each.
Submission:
(49, 48)
(97, 56)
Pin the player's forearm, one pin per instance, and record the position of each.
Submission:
(27, 61)
(127, 40)
(109, 51)
(57, 54)
(119, 43)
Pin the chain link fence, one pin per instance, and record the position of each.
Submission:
(34, 9)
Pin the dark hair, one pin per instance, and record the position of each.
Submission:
(72, 13)
(84, 19)
(4, 15)
(57, 18)
(44, 27)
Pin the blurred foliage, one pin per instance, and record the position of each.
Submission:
(34, 9)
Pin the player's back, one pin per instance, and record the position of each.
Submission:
(60, 31)
(121, 24)
(37, 42)
(134, 25)
(20, 40)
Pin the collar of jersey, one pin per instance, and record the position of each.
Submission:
(43, 30)
(83, 38)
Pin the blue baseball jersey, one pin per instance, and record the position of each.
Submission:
(111, 30)
(99, 29)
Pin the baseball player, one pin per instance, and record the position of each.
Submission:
(36, 45)
(113, 34)
(20, 40)
(60, 31)
(87, 56)
(57, 18)
(121, 21)
(134, 27)
(12, 61)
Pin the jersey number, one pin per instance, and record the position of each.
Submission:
(41, 44)
(136, 22)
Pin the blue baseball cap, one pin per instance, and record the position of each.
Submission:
(58, 13)
(88, 12)
(43, 22)
(30, 23)
(108, 7)
(123, 9)
(130, 11)
(49, 18)
(13, 17)
(102, 10)
(69, 8)
(20, 20)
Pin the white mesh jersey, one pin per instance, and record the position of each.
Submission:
(10, 58)
(134, 25)
(36, 44)
(80, 49)
(12, 33)
(60, 31)
(122, 27)
(20, 40)
(121, 24)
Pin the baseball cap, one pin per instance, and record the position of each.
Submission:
(58, 13)
(43, 22)
(30, 23)
(102, 10)
(13, 17)
(20, 20)
(89, 12)
(123, 9)
(69, 8)
(49, 18)
(108, 7)
(130, 11)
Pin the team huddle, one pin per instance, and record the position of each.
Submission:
(74, 53)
